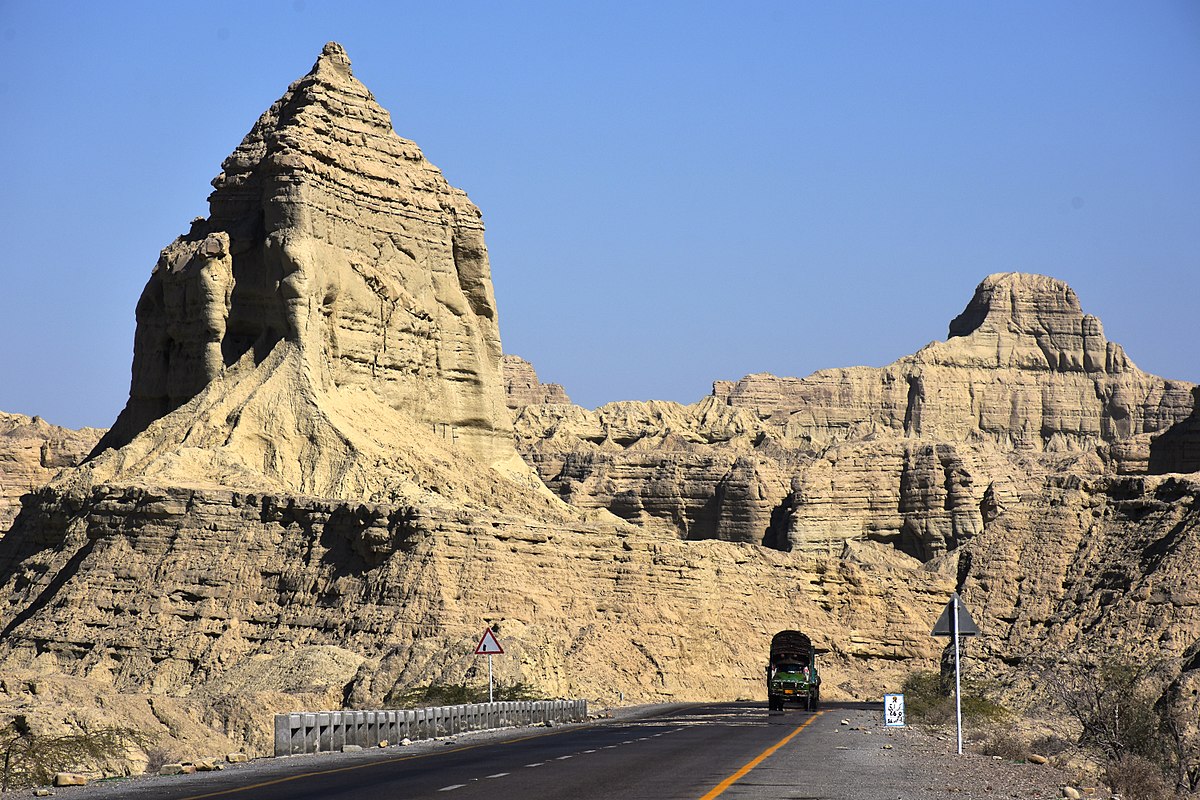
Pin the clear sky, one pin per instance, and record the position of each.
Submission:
(674, 192)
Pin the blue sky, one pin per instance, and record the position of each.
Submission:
(674, 193)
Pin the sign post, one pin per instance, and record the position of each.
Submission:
(956, 621)
(489, 646)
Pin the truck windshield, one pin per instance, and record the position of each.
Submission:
(790, 667)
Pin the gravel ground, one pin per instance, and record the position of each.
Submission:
(934, 768)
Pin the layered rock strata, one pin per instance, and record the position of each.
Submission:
(1091, 570)
(917, 454)
(313, 491)
(178, 591)
(1024, 369)
(32, 451)
(334, 252)
(522, 387)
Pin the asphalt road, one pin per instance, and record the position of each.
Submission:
(732, 751)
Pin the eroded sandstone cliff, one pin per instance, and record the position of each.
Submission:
(337, 264)
(313, 493)
(32, 451)
(914, 454)
(522, 387)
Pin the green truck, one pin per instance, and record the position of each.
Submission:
(792, 672)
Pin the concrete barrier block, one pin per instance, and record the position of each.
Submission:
(283, 736)
(324, 732)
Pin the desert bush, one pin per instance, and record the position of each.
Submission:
(1114, 706)
(1136, 777)
(1006, 744)
(31, 759)
(452, 694)
(928, 701)
(1049, 745)
(155, 758)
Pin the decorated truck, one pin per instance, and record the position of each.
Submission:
(792, 672)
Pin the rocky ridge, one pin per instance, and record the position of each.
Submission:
(313, 492)
(917, 454)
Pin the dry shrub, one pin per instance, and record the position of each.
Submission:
(155, 758)
(929, 701)
(1006, 744)
(1136, 777)
(1049, 745)
(31, 759)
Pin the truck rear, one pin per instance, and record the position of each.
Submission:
(792, 672)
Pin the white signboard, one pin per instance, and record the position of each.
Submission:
(488, 645)
(893, 710)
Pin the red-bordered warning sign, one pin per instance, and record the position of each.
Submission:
(488, 645)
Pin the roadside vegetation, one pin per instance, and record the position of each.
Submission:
(33, 759)
(1120, 717)
(929, 700)
(1127, 722)
(453, 694)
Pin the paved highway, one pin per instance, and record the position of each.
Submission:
(732, 751)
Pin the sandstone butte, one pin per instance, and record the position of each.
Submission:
(328, 479)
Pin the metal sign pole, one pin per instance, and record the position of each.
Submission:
(490, 695)
(957, 679)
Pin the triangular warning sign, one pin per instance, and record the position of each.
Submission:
(488, 646)
(966, 625)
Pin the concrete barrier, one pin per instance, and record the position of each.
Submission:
(330, 731)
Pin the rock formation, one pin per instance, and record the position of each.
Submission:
(522, 387)
(32, 451)
(313, 493)
(1025, 385)
(339, 281)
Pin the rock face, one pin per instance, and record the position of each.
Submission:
(340, 261)
(197, 593)
(1090, 570)
(32, 451)
(522, 387)
(1025, 386)
(1024, 368)
(313, 494)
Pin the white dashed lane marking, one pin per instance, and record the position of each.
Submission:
(536, 765)
(449, 788)
(498, 775)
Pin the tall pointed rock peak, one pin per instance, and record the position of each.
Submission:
(336, 262)
(1029, 321)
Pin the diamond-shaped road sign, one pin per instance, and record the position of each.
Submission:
(966, 625)
(488, 645)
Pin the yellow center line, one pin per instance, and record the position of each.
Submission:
(720, 788)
